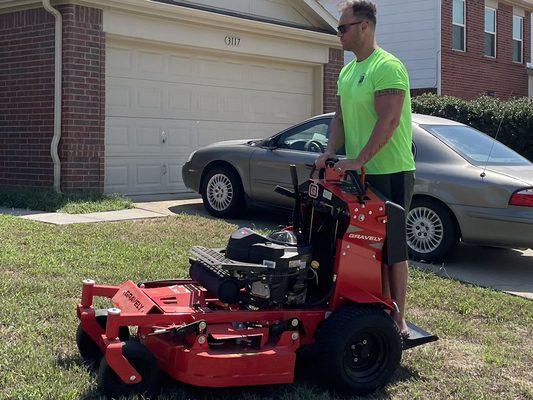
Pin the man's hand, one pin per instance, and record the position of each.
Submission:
(347, 165)
(320, 162)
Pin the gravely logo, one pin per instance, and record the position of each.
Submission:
(131, 297)
(368, 238)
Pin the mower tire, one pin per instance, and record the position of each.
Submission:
(222, 192)
(142, 360)
(89, 350)
(358, 348)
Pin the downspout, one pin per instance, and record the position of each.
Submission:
(57, 94)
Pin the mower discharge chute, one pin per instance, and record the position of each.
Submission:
(250, 308)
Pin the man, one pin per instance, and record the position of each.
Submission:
(373, 122)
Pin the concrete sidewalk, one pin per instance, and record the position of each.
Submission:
(156, 209)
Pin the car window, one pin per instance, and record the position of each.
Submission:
(311, 136)
(475, 146)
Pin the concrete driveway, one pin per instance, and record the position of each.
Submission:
(508, 270)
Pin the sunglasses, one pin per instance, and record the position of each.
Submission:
(344, 27)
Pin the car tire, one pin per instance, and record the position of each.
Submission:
(222, 193)
(358, 348)
(431, 231)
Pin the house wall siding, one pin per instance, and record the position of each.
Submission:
(409, 29)
(471, 74)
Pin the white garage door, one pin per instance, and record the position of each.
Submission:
(163, 103)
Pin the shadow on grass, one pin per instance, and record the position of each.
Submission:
(261, 218)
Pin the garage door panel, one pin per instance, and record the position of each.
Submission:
(162, 104)
(125, 136)
(166, 66)
(128, 175)
(163, 100)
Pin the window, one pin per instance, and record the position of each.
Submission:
(490, 32)
(475, 146)
(518, 31)
(312, 136)
(458, 32)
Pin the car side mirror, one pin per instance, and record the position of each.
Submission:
(270, 144)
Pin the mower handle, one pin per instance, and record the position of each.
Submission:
(358, 180)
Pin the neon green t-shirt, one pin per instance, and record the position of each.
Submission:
(356, 86)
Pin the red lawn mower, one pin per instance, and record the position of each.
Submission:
(250, 309)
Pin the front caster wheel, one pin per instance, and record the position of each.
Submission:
(359, 348)
(89, 350)
(142, 360)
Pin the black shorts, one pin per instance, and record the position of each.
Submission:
(397, 188)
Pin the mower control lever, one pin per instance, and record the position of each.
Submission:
(181, 331)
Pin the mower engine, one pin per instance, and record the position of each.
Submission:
(256, 271)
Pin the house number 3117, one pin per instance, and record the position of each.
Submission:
(232, 41)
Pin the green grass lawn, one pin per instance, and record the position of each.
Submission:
(485, 350)
(71, 203)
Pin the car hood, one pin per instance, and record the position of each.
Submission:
(523, 173)
(235, 142)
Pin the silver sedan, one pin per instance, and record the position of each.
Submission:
(468, 186)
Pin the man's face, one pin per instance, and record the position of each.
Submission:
(354, 35)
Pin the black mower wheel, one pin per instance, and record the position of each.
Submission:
(358, 348)
(222, 192)
(431, 232)
(142, 360)
(89, 350)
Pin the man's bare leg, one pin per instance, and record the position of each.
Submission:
(398, 274)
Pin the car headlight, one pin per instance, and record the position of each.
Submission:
(191, 155)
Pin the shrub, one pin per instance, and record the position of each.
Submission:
(486, 114)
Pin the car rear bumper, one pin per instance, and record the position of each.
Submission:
(191, 177)
(509, 227)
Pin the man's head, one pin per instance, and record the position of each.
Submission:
(357, 24)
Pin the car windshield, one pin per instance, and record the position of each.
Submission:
(475, 146)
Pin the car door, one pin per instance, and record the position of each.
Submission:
(269, 166)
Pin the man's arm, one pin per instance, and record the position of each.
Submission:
(336, 131)
(388, 104)
(336, 137)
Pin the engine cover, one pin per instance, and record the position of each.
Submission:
(270, 273)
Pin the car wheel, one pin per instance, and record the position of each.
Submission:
(358, 348)
(431, 232)
(222, 193)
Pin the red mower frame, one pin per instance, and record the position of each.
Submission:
(198, 340)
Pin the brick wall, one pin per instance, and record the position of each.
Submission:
(82, 144)
(331, 74)
(470, 74)
(27, 101)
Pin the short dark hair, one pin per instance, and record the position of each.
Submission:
(361, 8)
